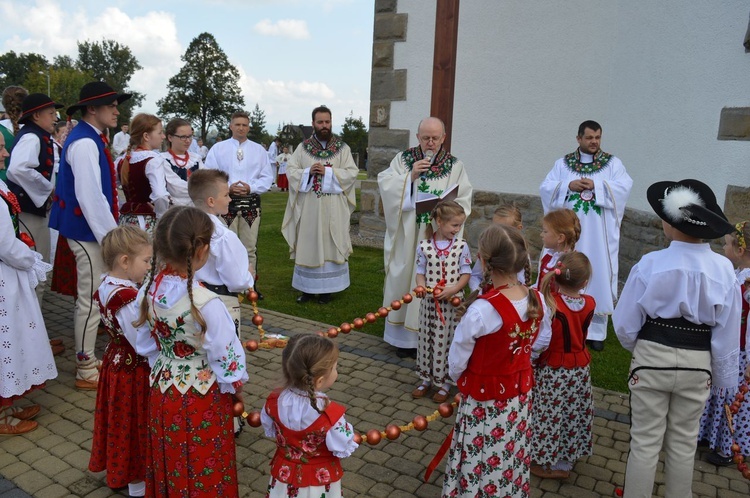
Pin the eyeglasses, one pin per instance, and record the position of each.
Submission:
(184, 137)
(429, 139)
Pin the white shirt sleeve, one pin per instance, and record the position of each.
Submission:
(125, 317)
(476, 275)
(629, 317)
(464, 266)
(22, 169)
(262, 182)
(420, 266)
(83, 157)
(232, 264)
(223, 348)
(340, 439)
(155, 172)
(331, 184)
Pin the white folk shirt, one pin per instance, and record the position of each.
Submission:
(120, 142)
(83, 158)
(251, 166)
(689, 281)
(22, 169)
(227, 260)
(282, 160)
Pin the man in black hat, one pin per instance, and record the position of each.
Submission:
(31, 169)
(679, 314)
(85, 208)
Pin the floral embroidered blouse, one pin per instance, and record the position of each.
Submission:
(185, 358)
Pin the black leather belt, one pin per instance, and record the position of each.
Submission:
(242, 203)
(219, 289)
(677, 333)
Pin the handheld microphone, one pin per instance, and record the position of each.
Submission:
(427, 155)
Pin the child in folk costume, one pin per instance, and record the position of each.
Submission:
(311, 432)
(180, 160)
(510, 215)
(714, 427)
(26, 361)
(563, 410)
(561, 229)
(224, 272)
(490, 360)
(147, 181)
(121, 416)
(443, 263)
(200, 365)
(679, 313)
(282, 159)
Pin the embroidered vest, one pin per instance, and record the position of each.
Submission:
(138, 190)
(182, 361)
(66, 215)
(302, 458)
(500, 365)
(45, 168)
(183, 172)
(120, 352)
(451, 263)
(567, 348)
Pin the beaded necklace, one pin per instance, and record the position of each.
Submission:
(180, 162)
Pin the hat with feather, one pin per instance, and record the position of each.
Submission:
(689, 206)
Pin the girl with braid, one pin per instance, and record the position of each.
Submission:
(310, 430)
(12, 101)
(199, 369)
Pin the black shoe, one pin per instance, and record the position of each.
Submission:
(718, 460)
(406, 353)
(304, 297)
(324, 298)
(596, 345)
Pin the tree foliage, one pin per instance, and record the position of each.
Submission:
(258, 132)
(114, 64)
(16, 67)
(354, 133)
(206, 89)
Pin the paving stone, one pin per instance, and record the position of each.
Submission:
(32, 481)
(15, 469)
(52, 491)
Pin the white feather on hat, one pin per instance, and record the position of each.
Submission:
(677, 199)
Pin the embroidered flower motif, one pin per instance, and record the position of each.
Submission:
(182, 349)
(162, 329)
(204, 375)
(116, 359)
(284, 473)
(323, 476)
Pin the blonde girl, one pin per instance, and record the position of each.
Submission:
(311, 432)
(561, 229)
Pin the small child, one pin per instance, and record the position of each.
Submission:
(490, 360)
(142, 171)
(180, 160)
(510, 215)
(563, 410)
(561, 229)
(121, 416)
(223, 273)
(200, 365)
(714, 427)
(443, 263)
(282, 159)
(679, 314)
(310, 431)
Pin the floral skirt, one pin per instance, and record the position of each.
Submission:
(145, 222)
(278, 489)
(489, 454)
(562, 415)
(191, 450)
(435, 338)
(714, 426)
(121, 416)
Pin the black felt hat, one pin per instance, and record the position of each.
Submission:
(689, 206)
(36, 102)
(97, 93)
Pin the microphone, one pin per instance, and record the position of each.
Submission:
(429, 154)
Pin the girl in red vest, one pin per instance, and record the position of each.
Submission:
(121, 416)
(561, 229)
(714, 427)
(490, 360)
(310, 430)
(563, 411)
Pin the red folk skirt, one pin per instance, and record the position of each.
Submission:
(191, 451)
(121, 415)
(282, 181)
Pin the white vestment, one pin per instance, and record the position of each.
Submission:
(399, 195)
(600, 218)
(316, 221)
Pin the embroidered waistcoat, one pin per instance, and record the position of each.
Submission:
(45, 168)
(138, 190)
(567, 348)
(118, 345)
(433, 270)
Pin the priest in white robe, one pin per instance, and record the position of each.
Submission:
(409, 174)
(596, 186)
(321, 175)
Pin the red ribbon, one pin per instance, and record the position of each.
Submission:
(439, 455)
(437, 303)
(113, 179)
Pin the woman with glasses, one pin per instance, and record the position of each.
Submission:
(180, 159)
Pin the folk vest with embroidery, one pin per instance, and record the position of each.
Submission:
(66, 215)
(119, 351)
(500, 365)
(567, 348)
(138, 190)
(45, 168)
(183, 171)
(302, 458)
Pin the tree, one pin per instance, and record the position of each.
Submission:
(206, 89)
(354, 133)
(258, 131)
(114, 64)
(15, 68)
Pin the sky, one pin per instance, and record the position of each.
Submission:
(292, 55)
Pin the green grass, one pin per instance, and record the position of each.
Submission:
(609, 368)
